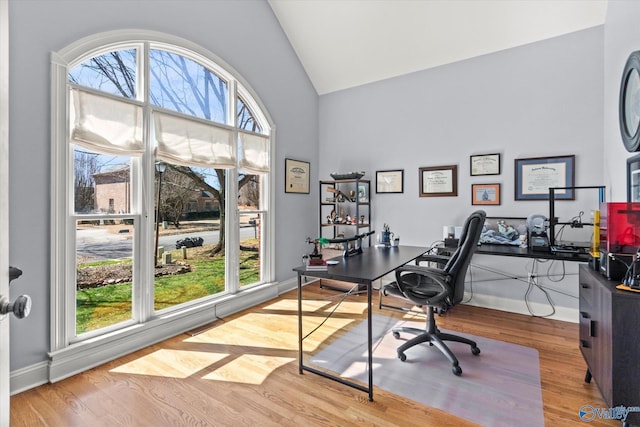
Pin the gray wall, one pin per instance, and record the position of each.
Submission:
(245, 34)
(542, 99)
(621, 36)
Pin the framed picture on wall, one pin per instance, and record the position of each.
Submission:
(438, 181)
(534, 176)
(485, 194)
(390, 181)
(296, 179)
(485, 164)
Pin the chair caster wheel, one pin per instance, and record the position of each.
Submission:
(402, 357)
(475, 351)
(396, 335)
(457, 371)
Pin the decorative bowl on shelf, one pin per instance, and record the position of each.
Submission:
(350, 175)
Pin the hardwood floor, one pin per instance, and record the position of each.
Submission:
(243, 370)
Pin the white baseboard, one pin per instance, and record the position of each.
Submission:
(287, 285)
(29, 377)
(565, 314)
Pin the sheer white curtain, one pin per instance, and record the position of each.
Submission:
(191, 143)
(110, 126)
(105, 125)
(254, 153)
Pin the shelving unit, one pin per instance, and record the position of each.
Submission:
(345, 208)
(340, 199)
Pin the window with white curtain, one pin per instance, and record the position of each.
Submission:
(162, 186)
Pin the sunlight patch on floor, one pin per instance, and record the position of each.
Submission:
(170, 363)
(322, 305)
(348, 307)
(258, 330)
(292, 305)
(248, 369)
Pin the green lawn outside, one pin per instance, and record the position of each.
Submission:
(110, 304)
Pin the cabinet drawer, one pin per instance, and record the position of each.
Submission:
(587, 326)
(586, 293)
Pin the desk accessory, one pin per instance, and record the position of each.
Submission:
(619, 238)
(451, 243)
(614, 266)
(386, 236)
(348, 248)
(537, 230)
(315, 257)
(627, 288)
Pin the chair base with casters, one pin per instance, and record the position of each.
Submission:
(434, 337)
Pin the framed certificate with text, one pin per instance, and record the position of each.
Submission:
(534, 176)
(485, 164)
(390, 181)
(296, 179)
(439, 181)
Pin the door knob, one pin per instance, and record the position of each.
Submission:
(20, 308)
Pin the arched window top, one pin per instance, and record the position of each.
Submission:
(181, 84)
(214, 74)
(113, 72)
(168, 79)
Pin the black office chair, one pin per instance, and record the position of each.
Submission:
(438, 289)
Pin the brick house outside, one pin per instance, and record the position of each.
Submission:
(112, 193)
(113, 190)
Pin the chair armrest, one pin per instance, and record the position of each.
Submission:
(412, 291)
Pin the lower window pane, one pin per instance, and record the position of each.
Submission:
(104, 253)
(189, 230)
(250, 238)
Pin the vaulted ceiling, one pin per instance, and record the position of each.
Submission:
(347, 43)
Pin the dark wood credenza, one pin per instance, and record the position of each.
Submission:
(610, 339)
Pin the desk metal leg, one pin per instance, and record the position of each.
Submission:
(370, 340)
(300, 365)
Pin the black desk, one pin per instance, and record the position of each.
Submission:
(365, 268)
(517, 251)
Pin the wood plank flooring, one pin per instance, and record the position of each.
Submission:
(243, 371)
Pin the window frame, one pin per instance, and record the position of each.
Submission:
(146, 326)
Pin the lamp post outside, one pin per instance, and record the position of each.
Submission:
(160, 168)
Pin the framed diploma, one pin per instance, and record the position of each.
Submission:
(534, 177)
(296, 179)
(438, 181)
(391, 181)
(485, 164)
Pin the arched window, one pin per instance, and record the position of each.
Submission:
(162, 159)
